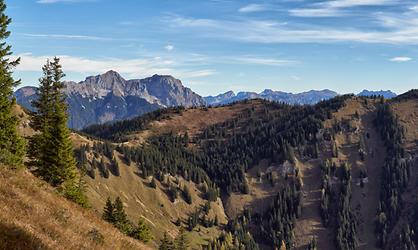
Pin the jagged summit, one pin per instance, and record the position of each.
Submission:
(108, 97)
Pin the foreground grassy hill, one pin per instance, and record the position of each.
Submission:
(33, 216)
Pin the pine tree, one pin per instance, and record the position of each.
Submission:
(120, 217)
(109, 211)
(12, 146)
(115, 167)
(63, 152)
(142, 231)
(153, 183)
(181, 241)
(166, 243)
(41, 121)
(51, 150)
(187, 195)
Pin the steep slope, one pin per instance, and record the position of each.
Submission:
(153, 204)
(405, 108)
(252, 152)
(249, 120)
(109, 97)
(33, 216)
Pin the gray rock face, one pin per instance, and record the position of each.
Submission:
(310, 97)
(109, 97)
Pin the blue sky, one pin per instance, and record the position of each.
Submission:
(218, 45)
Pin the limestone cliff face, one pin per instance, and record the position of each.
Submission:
(109, 97)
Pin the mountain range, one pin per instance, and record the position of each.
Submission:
(309, 97)
(109, 97)
(385, 93)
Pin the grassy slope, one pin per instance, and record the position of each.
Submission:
(191, 120)
(154, 205)
(33, 216)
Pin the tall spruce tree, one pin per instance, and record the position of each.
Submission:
(51, 150)
(142, 231)
(181, 241)
(120, 217)
(40, 121)
(12, 146)
(108, 211)
(166, 243)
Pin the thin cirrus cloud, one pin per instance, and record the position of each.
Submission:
(69, 37)
(78, 37)
(401, 59)
(63, 1)
(142, 67)
(253, 8)
(253, 60)
(265, 31)
(336, 7)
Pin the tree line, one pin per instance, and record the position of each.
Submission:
(396, 173)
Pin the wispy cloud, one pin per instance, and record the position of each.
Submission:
(253, 8)
(63, 1)
(274, 32)
(253, 60)
(336, 7)
(63, 36)
(414, 8)
(169, 47)
(141, 67)
(401, 59)
(78, 37)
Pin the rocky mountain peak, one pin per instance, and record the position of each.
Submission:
(163, 80)
(108, 97)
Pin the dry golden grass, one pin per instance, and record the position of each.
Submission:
(154, 205)
(33, 216)
(407, 111)
(23, 128)
(191, 120)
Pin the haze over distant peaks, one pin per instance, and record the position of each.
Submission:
(385, 93)
(309, 97)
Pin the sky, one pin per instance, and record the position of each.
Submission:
(215, 46)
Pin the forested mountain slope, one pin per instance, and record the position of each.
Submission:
(264, 174)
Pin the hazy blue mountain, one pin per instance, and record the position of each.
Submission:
(385, 93)
(109, 97)
(309, 97)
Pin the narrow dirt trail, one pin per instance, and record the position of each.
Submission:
(310, 222)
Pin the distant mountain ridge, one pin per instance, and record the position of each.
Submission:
(309, 97)
(109, 97)
(385, 93)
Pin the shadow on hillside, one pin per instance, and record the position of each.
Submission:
(12, 237)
